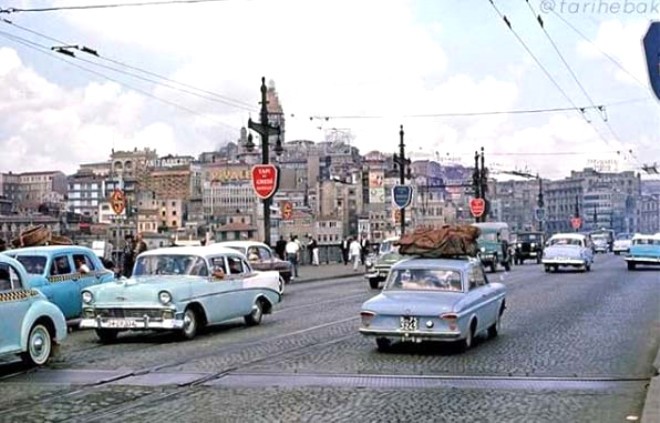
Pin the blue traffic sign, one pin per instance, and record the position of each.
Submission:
(402, 195)
(652, 50)
(539, 214)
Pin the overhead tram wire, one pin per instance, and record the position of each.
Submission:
(539, 20)
(107, 6)
(538, 62)
(48, 52)
(207, 95)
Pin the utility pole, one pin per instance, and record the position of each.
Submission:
(577, 211)
(484, 186)
(480, 182)
(265, 130)
(404, 170)
(595, 216)
(541, 203)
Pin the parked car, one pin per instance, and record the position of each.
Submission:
(30, 325)
(378, 265)
(261, 258)
(494, 245)
(645, 250)
(622, 243)
(529, 245)
(568, 250)
(56, 272)
(601, 243)
(448, 300)
(181, 289)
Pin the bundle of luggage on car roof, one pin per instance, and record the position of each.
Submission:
(445, 242)
(38, 236)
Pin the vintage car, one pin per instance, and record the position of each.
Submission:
(378, 265)
(181, 289)
(261, 258)
(528, 245)
(622, 243)
(56, 271)
(30, 325)
(645, 250)
(601, 243)
(448, 300)
(568, 250)
(494, 245)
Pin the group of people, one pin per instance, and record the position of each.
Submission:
(354, 250)
(133, 246)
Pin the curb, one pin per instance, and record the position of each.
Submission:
(651, 409)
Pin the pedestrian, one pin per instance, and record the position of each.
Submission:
(364, 248)
(129, 256)
(292, 255)
(344, 250)
(314, 251)
(280, 248)
(355, 251)
(140, 245)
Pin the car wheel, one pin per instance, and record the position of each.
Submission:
(39, 347)
(466, 343)
(547, 269)
(383, 344)
(495, 328)
(631, 265)
(374, 283)
(281, 285)
(107, 336)
(190, 324)
(616, 253)
(254, 318)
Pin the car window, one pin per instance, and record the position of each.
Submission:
(425, 280)
(235, 265)
(85, 259)
(264, 253)
(9, 278)
(199, 268)
(218, 264)
(34, 265)
(476, 278)
(60, 266)
(168, 264)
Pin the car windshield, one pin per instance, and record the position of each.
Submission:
(565, 241)
(624, 237)
(34, 265)
(388, 247)
(599, 237)
(424, 280)
(488, 236)
(239, 249)
(173, 264)
(528, 237)
(646, 241)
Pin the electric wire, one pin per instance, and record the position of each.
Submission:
(107, 6)
(48, 52)
(207, 95)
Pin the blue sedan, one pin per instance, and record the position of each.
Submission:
(449, 300)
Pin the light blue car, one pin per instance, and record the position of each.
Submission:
(61, 273)
(573, 250)
(448, 300)
(181, 289)
(30, 325)
(644, 250)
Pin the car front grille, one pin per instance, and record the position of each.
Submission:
(131, 313)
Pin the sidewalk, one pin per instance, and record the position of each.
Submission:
(308, 273)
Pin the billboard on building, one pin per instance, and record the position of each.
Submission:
(376, 179)
(376, 195)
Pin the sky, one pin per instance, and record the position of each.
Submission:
(359, 66)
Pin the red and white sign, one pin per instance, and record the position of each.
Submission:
(118, 201)
(477, 207)
(576, 222)
(264, 180)
(287, 210)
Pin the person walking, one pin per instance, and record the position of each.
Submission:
(364, 247)
(314, 249)
(292, 253)
(345, 244)
(280, 248)
(355, 250)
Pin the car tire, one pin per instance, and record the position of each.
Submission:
(466, 344)
(383, 344)
(40, 346)
(631, 265)
(616, 253)
(374, 283)
(106, 336)
(496, 327)
(547, 269)
(190, 324)
(281, 285)
(254, 318)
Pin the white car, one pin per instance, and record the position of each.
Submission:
(622, 243)
(568, 250)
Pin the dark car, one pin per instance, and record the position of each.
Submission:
(529, 245)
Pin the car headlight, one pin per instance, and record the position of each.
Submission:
(87, 297)
(164, 297)
(368, 263)
(533, 245)
(483, 249)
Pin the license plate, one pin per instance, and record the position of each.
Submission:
(120, 323)
(408, 324)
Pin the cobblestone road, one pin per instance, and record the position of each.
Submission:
(574, 347)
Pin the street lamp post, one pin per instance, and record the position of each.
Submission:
(480, 182)
(265, 130)
(404, 171)
(577, 211)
